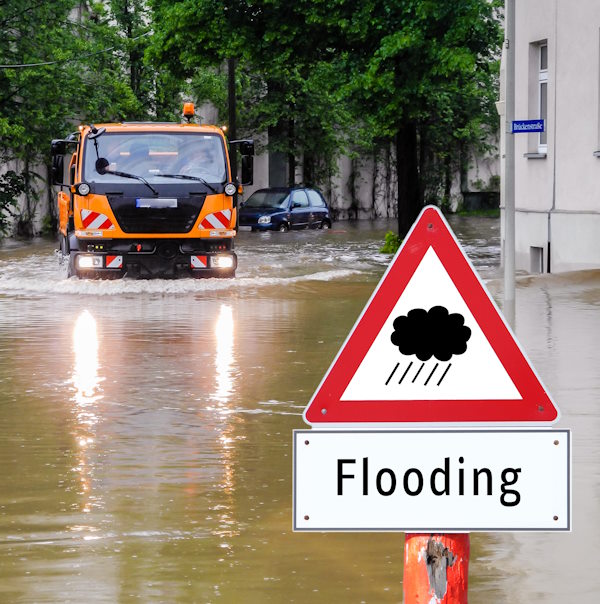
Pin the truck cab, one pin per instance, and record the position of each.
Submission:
(148, 200)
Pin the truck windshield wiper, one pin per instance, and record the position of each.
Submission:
(127, 175)
(188, 177)
(102, 164)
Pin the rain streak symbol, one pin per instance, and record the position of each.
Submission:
(434, 333)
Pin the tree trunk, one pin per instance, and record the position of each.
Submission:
(447, 179)
(309, 168)
(409, 203)
(291, 155)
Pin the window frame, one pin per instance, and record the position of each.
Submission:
(301, 193)
(310, 193)
(542, 85)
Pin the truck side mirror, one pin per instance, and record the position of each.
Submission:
(247, 147)
(58, 169)
(247, 169)
(58, 147)
(101, 165)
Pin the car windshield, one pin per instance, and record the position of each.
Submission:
(149, 155)
(268, 199)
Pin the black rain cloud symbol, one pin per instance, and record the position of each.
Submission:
(425, 334)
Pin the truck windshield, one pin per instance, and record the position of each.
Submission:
(148, 155)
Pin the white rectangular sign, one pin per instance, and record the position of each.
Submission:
(432, 481)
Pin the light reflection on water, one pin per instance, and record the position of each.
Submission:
(146, 448)
(224, 357)
(86, 382)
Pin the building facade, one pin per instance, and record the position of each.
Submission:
(557, 172)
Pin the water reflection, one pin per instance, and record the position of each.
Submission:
(86, 382)
(224, 354)
(224, 364)
(85, 346)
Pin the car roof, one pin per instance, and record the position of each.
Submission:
(284, 189)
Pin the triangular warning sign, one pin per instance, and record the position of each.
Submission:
(431, 347)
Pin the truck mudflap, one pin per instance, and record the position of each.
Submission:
(107, 265)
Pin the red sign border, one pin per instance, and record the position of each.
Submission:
(431, 230)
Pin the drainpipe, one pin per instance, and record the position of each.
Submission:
(509, 170)
(554, 80)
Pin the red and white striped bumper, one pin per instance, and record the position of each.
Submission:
(198, 262)
(95, 220)
(114, 261)
(217, 220)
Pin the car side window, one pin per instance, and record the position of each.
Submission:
(315, 199)
(300, 198)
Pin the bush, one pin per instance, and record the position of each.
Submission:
(392, 243)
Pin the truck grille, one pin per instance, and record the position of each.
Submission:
(156, 220)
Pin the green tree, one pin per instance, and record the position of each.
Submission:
(62, 63)
(334, 75)
(289, 82)
(425, 78)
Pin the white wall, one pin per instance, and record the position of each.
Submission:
(557, 197)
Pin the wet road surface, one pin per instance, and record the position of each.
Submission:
(146, 449)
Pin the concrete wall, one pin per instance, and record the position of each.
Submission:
(556, 193)
(40, 206)
(366, 187)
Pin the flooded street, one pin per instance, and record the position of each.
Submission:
(146, 450)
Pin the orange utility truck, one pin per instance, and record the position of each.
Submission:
(149, 199)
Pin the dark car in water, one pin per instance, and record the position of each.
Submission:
(284, 208)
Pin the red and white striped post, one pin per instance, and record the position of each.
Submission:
(436, 568)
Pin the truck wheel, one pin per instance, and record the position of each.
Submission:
(63, 243)
(71, 270)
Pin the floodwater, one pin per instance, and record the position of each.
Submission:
(146, 428)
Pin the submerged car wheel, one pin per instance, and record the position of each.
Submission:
(283, 227)
(325, 225)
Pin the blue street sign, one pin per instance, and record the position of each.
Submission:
(527, 126)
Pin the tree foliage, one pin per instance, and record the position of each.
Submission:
(289, 79)
(427, 80)
(329, 76)
(322, 77)
(64, 62)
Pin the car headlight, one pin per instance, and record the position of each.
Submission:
(264, 220)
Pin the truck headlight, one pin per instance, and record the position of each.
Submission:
(89, 261)
(264, 220)
(222, 261)
(82, 188)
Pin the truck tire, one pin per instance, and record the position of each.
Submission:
(71, 270)
(63, 243)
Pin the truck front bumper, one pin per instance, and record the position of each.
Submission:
(162, 263)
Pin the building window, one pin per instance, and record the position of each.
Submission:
(543, 95)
